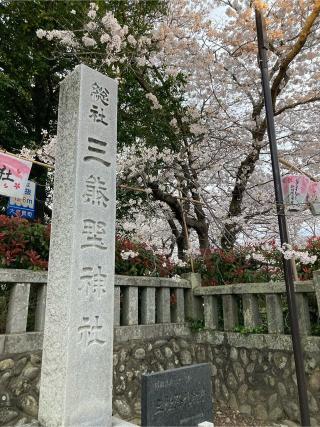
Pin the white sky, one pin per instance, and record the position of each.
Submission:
(218, 14)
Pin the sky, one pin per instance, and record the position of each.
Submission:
(218, 13)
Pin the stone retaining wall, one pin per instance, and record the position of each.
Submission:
(253, 373)
(19, 388)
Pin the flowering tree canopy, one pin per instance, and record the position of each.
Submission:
(192, 126)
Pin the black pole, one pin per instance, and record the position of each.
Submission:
(288, 275)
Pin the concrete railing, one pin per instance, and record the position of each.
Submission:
(138, 300)
(149, 300)
(19, 283)
(256, 299)
(154, 300)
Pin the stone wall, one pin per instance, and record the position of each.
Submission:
(253, 373)
(19, 388)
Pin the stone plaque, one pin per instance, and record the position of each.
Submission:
(177, 397)
(76, 376)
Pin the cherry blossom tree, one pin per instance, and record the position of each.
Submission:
(192, 128)
(293, 29)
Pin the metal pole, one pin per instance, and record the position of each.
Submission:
(293, 315)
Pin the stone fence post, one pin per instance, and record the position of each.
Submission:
(193, 304)
(316, 284)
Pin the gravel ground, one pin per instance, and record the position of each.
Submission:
(228, 417)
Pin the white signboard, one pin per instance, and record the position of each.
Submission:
(24, 206)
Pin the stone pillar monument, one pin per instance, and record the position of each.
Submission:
(76, 378)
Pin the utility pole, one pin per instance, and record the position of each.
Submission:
(284, 238)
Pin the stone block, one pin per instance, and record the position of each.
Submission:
(274, 314)
(275, 413)
(211, 316)
(314, 381)
(116, 308)
(251, 314)
(6, 364)
(291, 409)
(41, 307)
(233, 402)
(245, 409)
(303, 313)
(163, 305)
(148, 306)
(260, 412)
(2, 339)
(230, 312)
(185, 357)
(178, 315)
(193, 304)
(130, 306)
(18, 343)
(18, 308)
(316, 284)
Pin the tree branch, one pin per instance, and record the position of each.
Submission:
(296, 49)
(296, 104)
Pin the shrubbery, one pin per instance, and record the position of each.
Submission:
(137, 259)
(25, 244)
(219, 267)
(253, 264)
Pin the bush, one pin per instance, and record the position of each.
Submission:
(137, 259)
(23, 244)
(219, 267)
(313, 247)
(253, 263)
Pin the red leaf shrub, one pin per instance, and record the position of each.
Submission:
(23, 244)
(253, 263)
(137, 259)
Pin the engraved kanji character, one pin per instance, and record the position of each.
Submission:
(95, 192)
(93, 280)
(97, 146)
(99, 93)
(5, 176)
(94, 233)
(97, 116)
(89, 331)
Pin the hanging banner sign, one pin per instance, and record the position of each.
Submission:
(24, 206)
(14, 174)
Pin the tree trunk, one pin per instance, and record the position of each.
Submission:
(203, 236)
(181, 239)
(245, 170)
(180, 213)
